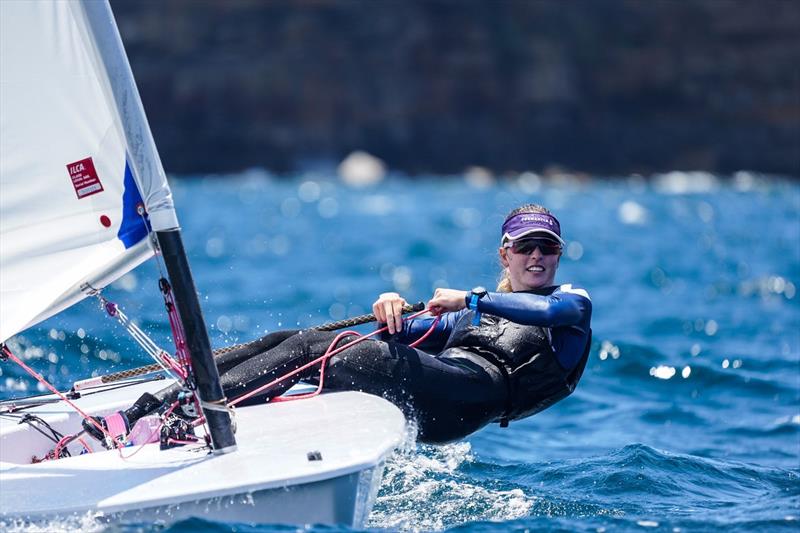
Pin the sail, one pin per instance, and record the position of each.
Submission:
(77, 160)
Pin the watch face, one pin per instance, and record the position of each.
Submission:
(479, 291)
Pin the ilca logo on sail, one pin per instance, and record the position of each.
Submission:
(84, 178)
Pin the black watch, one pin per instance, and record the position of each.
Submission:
(472, 298)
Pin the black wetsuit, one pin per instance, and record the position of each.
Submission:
(527, 353)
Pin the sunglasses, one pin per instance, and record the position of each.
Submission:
(527, 246)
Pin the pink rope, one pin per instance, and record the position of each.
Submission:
(181, 350)
(116, 425)
(427, 333)
(328, 355)
(52, 389)
(322, 359)
(173, 364)
(183, 442)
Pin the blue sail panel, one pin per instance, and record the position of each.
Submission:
(134, 227)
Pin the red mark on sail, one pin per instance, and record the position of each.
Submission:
(105, 221)
(84, 178)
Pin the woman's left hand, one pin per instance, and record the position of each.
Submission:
(445, 300)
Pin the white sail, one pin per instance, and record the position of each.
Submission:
(76, 159)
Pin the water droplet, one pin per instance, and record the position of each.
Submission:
(789, 291)
(662, 372)
(337, 311)
(401, 278)
(631, 212)
(575, 250)
(215, 247)
(647, 523)
(308, 191)
(224, 324)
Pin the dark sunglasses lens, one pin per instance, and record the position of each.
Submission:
(527, 247)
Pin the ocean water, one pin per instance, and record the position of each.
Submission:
(688, 414)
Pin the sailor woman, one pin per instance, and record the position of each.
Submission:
(492, 356)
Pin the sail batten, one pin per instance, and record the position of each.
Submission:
(76, 160)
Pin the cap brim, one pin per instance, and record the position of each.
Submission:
(528, 233)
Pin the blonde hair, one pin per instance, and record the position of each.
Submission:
(504, 285)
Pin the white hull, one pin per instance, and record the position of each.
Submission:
(340, 500)
(269, 479)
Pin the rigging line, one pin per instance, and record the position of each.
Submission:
(8, 353)
(32, 420)
(144, 340)
(10, 408)
(329, 326)
(159, 355)
(96, 386)
(135, 331)
(62, 445)
(328, 354)
(176, 326)
(427, 333)
(317, 360)
(321, 370)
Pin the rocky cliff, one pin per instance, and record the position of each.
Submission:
(608, 87)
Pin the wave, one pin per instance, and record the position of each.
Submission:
(643, 367)
(640, 472)
(620, 485)
(436, 488)
(444, 475)
(87, 522)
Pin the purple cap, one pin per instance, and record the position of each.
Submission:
(528, 224)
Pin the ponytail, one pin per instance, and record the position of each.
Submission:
(504, 285)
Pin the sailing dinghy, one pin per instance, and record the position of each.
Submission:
(83, 200)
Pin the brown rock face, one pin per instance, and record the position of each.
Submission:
(608, 87)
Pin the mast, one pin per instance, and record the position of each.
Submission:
(147, 170)
(205, 370)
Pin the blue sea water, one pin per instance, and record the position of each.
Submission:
(688, 414)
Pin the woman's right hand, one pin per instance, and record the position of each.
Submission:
(388, 308)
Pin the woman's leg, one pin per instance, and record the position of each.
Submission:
(264, 367)
(449, 396)
(231, 357)
(228, 359)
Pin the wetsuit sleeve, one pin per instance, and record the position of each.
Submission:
(417, 327)
(558, 309)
